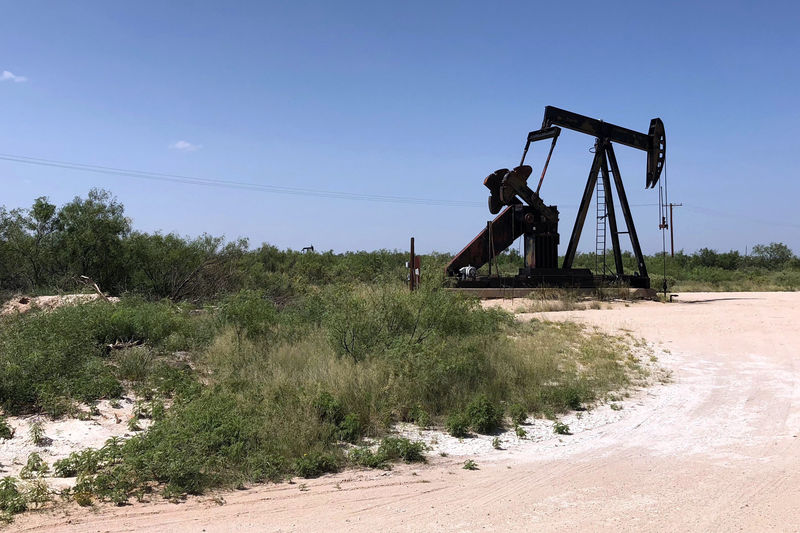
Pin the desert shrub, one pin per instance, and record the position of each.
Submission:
(88, 462)
(36, 433)
(518, 413)
(37, 492)
(569, 395)
(390, 449)
(66, 467)
(134, 364)
(363, 456)
(367, 323)
(12, 500)
(250, 313)
(349, 429)
(315, 464)
(279, 403)
(49, 359)
(135, 320)
(157, 409)
(484, 416)
(458, 425)
(196, 445)
(419, 416)
(41, 356)
(6, 431)
(170, 380)
(393, 448)
(95, 380)
(561, 428)
(35, 466)
(443, 376)
(328, 408)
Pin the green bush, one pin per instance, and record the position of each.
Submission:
(419, 416)
(12, 500)
(315, 464)
(393, 448)
(6, 431)
(561, 428)
(196, 445)
(484, 416)
(328, 408)
(574, 398)
(390, 449)
(66, 467)
(458, 425)
(36, 466)
(349, 429)
(469, 464)
(135, 320)
(251, 313)
(362, 325)
(518, 414)
(37, 492)
(50, 359)
(134, 364)
(363, 456)
(36, 433)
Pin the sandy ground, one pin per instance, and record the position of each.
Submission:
(24, 304)
(717, 449)
(64, 436)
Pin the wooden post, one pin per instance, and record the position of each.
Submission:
(411, 267)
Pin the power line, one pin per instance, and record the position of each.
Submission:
(233, 184)
(209, 182)
(717, 213)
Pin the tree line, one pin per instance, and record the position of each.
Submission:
(46, 248)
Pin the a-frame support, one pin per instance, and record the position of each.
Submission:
(605, 163)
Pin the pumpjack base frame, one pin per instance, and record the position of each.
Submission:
(578, 278)
(522, 292)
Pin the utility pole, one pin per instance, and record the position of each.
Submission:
(672, 229)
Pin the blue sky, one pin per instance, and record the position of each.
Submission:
(420, 99)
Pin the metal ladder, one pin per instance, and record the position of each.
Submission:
(600, 229)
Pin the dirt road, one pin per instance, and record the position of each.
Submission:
(715, 450)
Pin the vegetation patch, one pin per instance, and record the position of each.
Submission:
(484, 416)
(6, 431)
(272, 364)
(263, 393)
(390, 449)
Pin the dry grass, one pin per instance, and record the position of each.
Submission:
(552, 300)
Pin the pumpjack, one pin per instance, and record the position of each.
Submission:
(522, 213)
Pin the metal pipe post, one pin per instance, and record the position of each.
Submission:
(672, 229)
